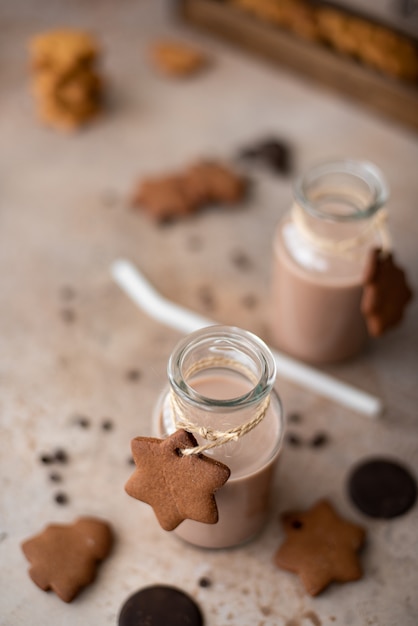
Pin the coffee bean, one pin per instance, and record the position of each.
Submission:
(61, 456)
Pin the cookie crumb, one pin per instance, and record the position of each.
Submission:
(67, 292)
(81, 421)
(293, 440)
(319, 440)
(46, 459)
(68, 316)
(294, 418)
(61, 456)
(133, 375)
(249, 301)
(55, 477)
(206, 297)
(61, 498)
(241, 260)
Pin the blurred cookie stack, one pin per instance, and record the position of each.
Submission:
(66, 83)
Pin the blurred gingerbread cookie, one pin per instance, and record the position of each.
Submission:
(386, 293)
(178, 59)
(66, 83)
(181, 193)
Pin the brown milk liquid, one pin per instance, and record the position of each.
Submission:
(243, 501)
(315, 308)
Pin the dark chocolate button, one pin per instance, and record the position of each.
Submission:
(382, 488)
(160, 605)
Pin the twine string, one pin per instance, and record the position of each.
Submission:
(213, 436)
(345, 246)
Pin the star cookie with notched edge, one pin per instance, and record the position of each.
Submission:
(321, 547)
(386, 293)
(177, 486)
(64, 557)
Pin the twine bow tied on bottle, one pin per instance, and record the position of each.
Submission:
(346, 246)
(215, 437)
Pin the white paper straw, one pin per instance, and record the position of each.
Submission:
(149, 300)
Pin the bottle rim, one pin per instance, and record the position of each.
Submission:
(223, 338)
(365, 171)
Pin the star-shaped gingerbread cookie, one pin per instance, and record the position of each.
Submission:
(177, 486)
(64, 557)
(321, 547)
(386, 293)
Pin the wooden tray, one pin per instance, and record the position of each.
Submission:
(382, 94)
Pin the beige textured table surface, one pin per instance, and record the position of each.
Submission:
(69, 336)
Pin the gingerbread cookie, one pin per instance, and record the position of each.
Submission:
(177, 486)
(178, 59)
(66, 84)
(321, 547)
(210, 181)
(181, 193)
(64, 557)
(386, 293)
(164, 197)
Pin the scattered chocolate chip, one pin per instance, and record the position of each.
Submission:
(55, 477)
(46, 459)
(133, 375)
(107, 425)
(206, 297)
(382, 488)
(131, 461)
(272, 152)
(160, 605)
(67, 292)
(293, 440)
(241, 260)
(294, 418)
(68, 315)
(205, 582)
(61, 456)
(82, 421)
(249, 301)
(319, 440)
(61, 498)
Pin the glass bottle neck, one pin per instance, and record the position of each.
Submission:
(221, 368)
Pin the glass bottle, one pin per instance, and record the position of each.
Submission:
(320, 250)
(221, 376)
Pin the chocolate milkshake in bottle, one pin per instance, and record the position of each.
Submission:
(222, 377)
(320, 251)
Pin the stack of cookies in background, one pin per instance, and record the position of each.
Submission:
(66, 83)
